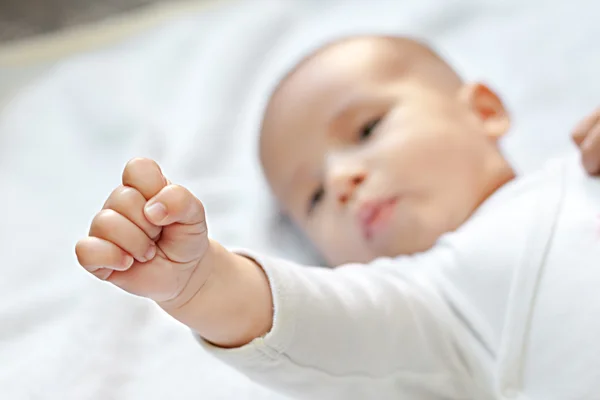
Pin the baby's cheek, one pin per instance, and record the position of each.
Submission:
(418, 226)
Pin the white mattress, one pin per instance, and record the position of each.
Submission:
(188, 94)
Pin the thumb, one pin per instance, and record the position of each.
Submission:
(184, 236)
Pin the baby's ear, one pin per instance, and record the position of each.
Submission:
(488, 108)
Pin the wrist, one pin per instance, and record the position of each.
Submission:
(198, 278)
(234, 305)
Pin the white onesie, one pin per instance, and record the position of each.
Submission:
(506, 307)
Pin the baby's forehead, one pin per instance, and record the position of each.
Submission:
(384, 55)
(337, 68)
(331, 72)
(364, 51)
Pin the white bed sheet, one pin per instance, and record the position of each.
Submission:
(188, 94)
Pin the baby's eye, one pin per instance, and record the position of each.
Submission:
(368, 129)
(316, 198)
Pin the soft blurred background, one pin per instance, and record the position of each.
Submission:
(22, 19)
(85, 85)
(34, 33)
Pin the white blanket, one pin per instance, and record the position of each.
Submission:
(189, 94)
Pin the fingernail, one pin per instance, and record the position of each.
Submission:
(150, 253)
(156, 212)
(127, 261)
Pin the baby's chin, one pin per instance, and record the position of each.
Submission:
(400, 237)
(398, 244)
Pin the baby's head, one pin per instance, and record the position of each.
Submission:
(376, 147)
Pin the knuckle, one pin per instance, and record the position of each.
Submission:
(135, 165)
(84, 256)
(137, 161)
(124, 198)
(182, 197)
(103, 221)
(180, 193)
(80, 252)
(174, 194)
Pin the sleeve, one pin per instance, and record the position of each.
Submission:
(354, 332)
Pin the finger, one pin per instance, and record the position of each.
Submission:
(174, 204)
(590, 151)
(145, 176)
(114, 227)
(583, 128)
(184, 235)
(130, 203)
(95, 254)
(155, 280)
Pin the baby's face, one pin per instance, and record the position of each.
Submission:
(370, 159)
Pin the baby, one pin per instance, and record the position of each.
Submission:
(458, 280)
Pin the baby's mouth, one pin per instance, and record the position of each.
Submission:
(373, 216)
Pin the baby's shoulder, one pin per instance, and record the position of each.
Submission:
(517, 203)
(526, 188)
(517, 211)
(562, 183)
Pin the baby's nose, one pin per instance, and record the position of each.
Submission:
(345, 184)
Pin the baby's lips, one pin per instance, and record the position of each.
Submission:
(369, 212)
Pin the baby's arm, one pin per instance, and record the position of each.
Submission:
(353, 332)
(356, 332)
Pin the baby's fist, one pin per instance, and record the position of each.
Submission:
(587, 136)
(149, 238)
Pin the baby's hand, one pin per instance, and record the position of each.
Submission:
(587, 137)
(149, 238)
